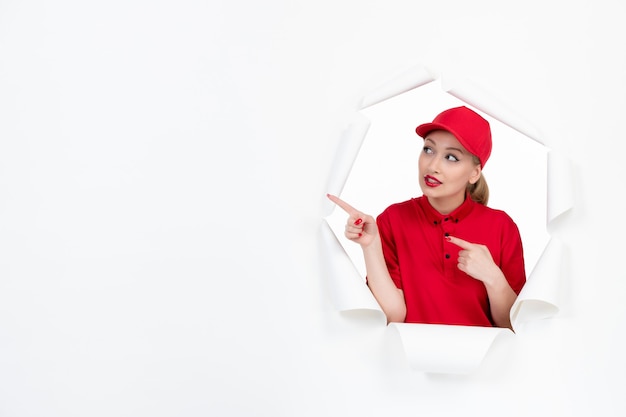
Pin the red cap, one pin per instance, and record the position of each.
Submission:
(471, 129)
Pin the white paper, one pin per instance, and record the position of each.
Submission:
(347, 287)
(560, 185)
(539, 299)
(347, 151)
(408, 80)
(439, 348)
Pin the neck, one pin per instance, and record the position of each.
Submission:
(446, 205)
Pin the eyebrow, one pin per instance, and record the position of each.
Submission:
(451, 148)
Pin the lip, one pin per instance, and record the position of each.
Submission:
(431, 181)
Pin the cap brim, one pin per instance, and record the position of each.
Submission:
(426, 128)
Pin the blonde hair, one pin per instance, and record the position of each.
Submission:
(479, 191)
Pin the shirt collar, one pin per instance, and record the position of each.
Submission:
(455, 216)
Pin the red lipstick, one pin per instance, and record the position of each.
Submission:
(431, 181)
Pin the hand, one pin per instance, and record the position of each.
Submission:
(476, 261)
(360, 228)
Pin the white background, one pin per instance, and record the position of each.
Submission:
(163, 167)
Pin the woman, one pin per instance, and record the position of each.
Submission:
(444, 257)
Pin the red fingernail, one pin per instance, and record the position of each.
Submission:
(358, 221)
(360, 234)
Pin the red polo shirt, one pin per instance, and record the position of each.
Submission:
(424, 265)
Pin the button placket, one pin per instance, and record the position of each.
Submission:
(447, 226)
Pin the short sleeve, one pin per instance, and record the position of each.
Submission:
(389, 247)
(512, 256)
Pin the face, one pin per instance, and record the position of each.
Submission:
(446, 168)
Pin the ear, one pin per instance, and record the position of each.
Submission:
(475, 175)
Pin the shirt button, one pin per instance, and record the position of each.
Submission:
(446, 234)
(446, 219)
(447, 256)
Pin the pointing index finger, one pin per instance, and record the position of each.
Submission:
(342, 204)
(464, 244)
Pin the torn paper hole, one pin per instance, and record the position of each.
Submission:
(377, 166)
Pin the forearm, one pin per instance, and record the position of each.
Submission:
(388, 296)
(362, 229)
(501, 299)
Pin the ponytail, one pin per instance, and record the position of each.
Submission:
(479, 191)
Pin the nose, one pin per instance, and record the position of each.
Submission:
(433, 165)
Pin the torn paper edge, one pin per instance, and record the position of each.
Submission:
(539, 297)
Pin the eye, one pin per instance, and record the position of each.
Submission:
(428, 150)
(452, 158)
